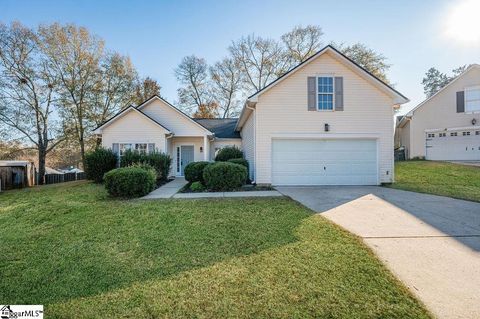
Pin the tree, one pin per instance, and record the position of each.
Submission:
(260, 61)
(27, 91)
(367, 58)
(435, 80)
(192, 75)
(206, 111)
(113, 89)
(302, 42)
(226, 82)
(74, 56)
(144, 89)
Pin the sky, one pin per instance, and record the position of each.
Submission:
(413, 35)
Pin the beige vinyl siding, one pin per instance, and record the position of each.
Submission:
(133, 127)
(403, 134)
(441, 112)
(220, 143)
(283, 110)
(172, 119)
(248, 143)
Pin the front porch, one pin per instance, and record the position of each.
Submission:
(186, 149)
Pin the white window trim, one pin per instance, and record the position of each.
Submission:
(328, 75)
(470, 88)
(133, 146)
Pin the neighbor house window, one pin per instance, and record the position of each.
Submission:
(442, 134)
(477, 132)
(472, 99)
(325, 93)
(431, 134)
(453, 134)
(466, 133)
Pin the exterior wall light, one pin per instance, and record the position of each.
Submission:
(327, 127)
(201, 149)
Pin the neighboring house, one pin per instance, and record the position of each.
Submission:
(326, 122)
(446, 126)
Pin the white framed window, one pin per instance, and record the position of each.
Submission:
(477, 132)
(442, 134)
(431, 135)
(472, 99)
(453, 134)
(466, 133)
(325, 98)
(142, 148)
(124, 147)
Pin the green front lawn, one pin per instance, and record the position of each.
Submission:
(82, 255)
(439, 178)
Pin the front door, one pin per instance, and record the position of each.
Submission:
(186, 156)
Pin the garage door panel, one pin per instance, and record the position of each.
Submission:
(324, 162)
(453, 148)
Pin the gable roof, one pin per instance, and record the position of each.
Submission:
(412, 111)
(222, 128)
(386, 87)
(399, 97)
(147, 101)
(124, 111)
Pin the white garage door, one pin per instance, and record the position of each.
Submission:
(453, 146)
(324, 162)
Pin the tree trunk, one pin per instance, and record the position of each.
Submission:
(82, 151)
(42, 154)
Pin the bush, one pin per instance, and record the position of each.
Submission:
(197, 187)
(240, 161)
(224, 176)
(228, 152)
(98, 162)
(194, 171)
(129, 182)
(161, 162)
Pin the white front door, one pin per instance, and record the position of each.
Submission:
(462, 145)
(324, 162)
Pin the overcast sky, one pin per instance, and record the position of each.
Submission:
(413, 35)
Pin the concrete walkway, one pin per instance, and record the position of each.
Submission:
(167, 190)
(431, 243)
(229, 194)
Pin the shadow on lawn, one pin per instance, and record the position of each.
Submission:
(71, 242)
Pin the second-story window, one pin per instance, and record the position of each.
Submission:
(325, 93)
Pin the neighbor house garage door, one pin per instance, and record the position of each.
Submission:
(461, 145)
(324, 162)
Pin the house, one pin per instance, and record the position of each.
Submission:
(325, 122)
(446, 126)
(16, 174)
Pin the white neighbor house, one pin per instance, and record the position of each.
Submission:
(325, 122)
(447, 125)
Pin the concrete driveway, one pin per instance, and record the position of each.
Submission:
(431, 243)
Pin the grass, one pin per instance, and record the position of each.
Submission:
(439, 178)
(82, 255)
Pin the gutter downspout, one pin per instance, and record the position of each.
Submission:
(254, 114)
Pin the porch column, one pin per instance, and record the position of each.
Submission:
(206, 148)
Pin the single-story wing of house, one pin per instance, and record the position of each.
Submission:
(327, 121)
(446, 126)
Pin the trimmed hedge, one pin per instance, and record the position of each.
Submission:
(99, 162)
(161, 162)
(224, 176)
(129, 182)
(197, 187)
(194, 171)
(227, 153)
(240, 161)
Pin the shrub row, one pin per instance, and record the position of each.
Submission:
(218, 176)
(228, 153)
(99, 162)
(161, 162)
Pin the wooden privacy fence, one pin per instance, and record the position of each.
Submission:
(61, 178)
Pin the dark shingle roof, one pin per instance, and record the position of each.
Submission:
(222, 128)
